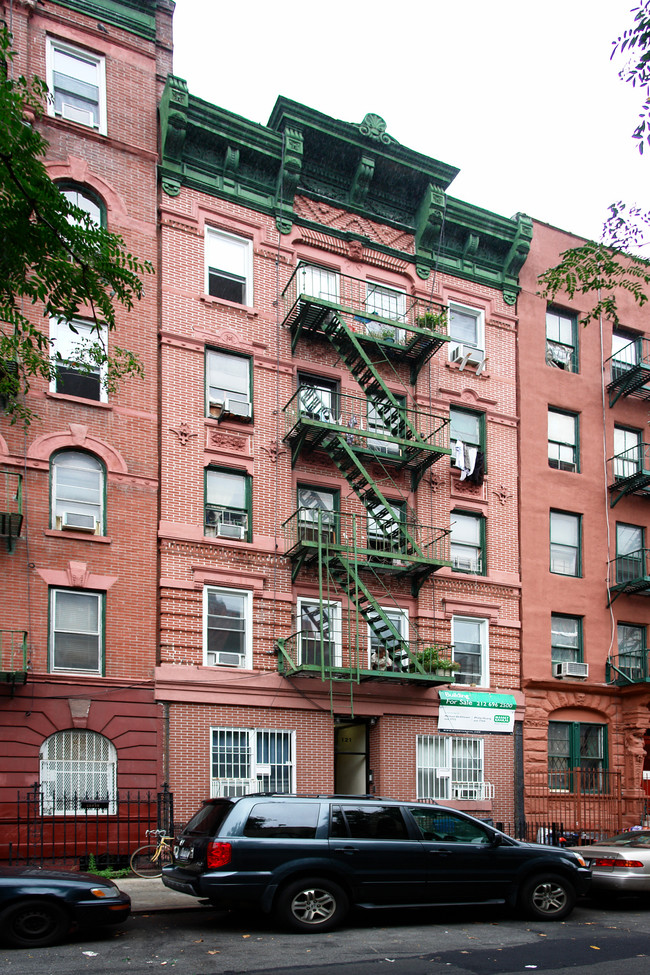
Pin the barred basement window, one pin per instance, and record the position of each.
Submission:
(247, 760)
(451, 768)
(78, 772)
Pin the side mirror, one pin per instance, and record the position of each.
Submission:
(497, 839)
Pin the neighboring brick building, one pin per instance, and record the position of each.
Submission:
(78, 586)
(322, 523)
(585, 517)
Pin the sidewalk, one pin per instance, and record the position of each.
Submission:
(152, 895)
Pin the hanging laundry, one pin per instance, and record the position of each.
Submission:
(478, 472)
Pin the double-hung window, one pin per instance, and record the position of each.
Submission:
(450, 768)
(247, 760)
(318, 282)
(77, 492)
(566, 638)
(228, 267)
(386, 654)
(320, 633)
(317, 513)
(632, 651)
(227, 504)
(565, 532)
(627, 452)
(561, 340)
(468, 428)
(317, 398)
(467, 542)
(466, 331)
(471, 650)
(228, 385)
(630, 553)
(76, 631)
(227, 627)
(385, 527)
(384, 419)
(77, 352)
(625, 353)
(77, 82)
(579, 746)
(386, 303)
(562, 440)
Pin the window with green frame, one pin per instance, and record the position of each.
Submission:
(630, 552)
(565, 533)
(561, 340)
(317, 513)
(384, 528)
(468, 427)
(384, 419)
(76, 631)
(467, 542)
(228, 385)
(577, 756)
(227, 504)
(632, 651)
(566, 638)
(563, 451)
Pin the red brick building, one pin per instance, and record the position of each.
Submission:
(78, 602)
(584, 520)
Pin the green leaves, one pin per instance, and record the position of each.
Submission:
(52, 255)
(636, 41)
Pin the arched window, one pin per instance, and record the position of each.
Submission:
(86, 200)
(78, 772)
(77, 492)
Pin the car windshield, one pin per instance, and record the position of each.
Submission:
(633, 838)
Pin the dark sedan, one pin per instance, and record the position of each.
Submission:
(39, 907)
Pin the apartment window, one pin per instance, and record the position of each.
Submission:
(625, 353)
(317, 513)
(317, 398)
(632, 651)
(470, 640)
(227, 627)
(468, 428)
(318, 282)
(627, 452)
(84, 200)
(385, 527)
(384, 419)
(320, 633)
(561, 340)
(227, 504)
(385, 653)
(562, 440)
(74, 347)
(77, 480)
(78, 771)
(466, 328)
(630, 552)
(467, 542)
(228, 385)
(450, 768)
(565, 543)
(576, 745)
(566, 638)
(228, 267)
(386, 303)
(77, 83)
(247, 760)
(76, 631)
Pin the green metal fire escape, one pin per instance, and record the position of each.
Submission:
(393, 434)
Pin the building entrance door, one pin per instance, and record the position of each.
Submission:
(351, 759)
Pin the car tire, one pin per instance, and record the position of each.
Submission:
(312, 904)
(547, 897)
(34, 923)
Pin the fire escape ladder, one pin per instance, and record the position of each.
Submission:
(345, 574)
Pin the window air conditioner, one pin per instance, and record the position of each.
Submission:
(74, 114)
(468, 355)
(465, 565)
(78, 522)
(228, 530)
(568, 668)
(224, 659)
(235, 407)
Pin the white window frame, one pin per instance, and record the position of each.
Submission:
(60, 506)
(240, 267)
(385, 292)
(318, 282)
(64, 774)
(335, 609)
(255, 774)
(478, 315)
(98, 634)
(484, 631)
(399, 615)
(440, 776)
(470, 552)
(247, 596)
(54, 45)
(64, 340)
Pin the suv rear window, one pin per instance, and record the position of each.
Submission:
(291, 820)
(208, 819)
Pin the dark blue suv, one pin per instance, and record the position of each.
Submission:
(308, 859)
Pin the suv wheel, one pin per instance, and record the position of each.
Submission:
(548, 897)
(312, 904)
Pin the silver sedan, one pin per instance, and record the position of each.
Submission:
(621, 863)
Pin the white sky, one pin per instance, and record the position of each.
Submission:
(520, 95)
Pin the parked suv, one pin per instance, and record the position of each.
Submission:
(308, 859)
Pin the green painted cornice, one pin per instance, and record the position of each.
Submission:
(358, 167)
(136, 16)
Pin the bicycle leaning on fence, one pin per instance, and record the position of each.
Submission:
(148, 860)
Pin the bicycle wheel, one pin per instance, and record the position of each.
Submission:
(143, 863)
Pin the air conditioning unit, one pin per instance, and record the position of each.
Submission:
(568, 668)
(235, 407)
(468, 355)
(74, 114)
(222, 658)
(228, 530)
(465, 565)
(74, 521)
